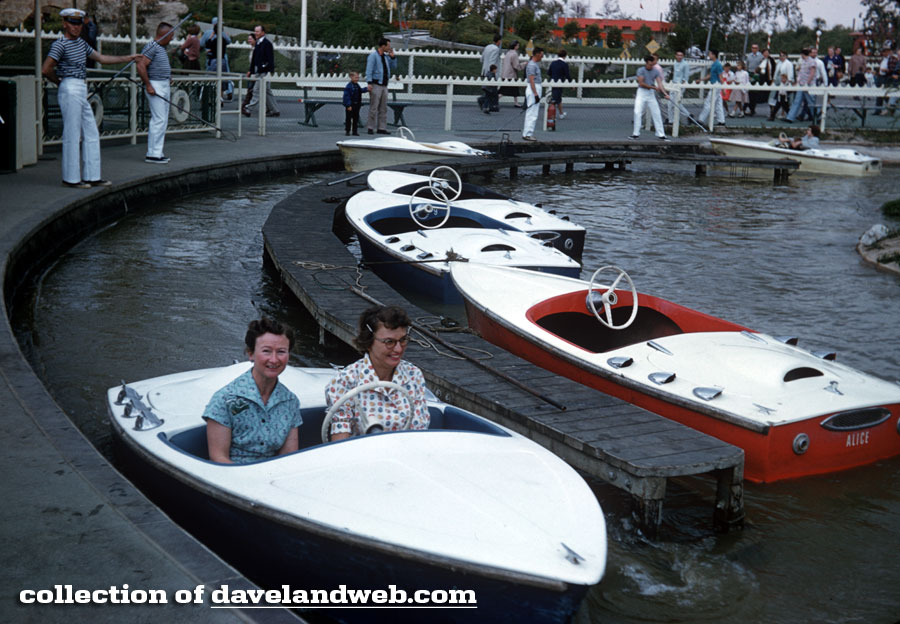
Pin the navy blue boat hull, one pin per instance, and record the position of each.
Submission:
(272, 554)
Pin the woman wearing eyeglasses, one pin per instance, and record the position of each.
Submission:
(382, 337)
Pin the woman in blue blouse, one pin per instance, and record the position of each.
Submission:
(254, 417)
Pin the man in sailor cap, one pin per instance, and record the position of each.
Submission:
(65, 66)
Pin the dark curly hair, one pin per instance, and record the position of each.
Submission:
(391, 317)
(266, 325)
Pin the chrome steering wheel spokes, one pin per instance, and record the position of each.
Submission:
(329, 415)
(426, 208)
(609, 298)
(440, 185)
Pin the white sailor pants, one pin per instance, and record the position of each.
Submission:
(532, 109)
(719, 110)
(643, 99)
(81, 140)
(159, 117)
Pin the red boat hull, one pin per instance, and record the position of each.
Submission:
(769, 454)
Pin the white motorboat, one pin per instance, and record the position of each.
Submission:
(794, 412)
(835, 161)
(470, 199)
(386, 151)
(465, 505)
(410, 242)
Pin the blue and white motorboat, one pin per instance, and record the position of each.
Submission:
(410, 241)
(484, 206)
(464, 505)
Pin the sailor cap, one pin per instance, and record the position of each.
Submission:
(72, 13)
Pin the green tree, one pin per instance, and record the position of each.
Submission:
(613, 37)
(881, 20)
(524, 23)
(453, 10)
(593, 34)
(570, 30)
(642, 37)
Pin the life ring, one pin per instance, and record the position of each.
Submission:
(96, 103)
(181, 106)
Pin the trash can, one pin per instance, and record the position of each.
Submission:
(7, 126)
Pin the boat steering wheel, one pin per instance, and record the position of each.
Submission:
(329, 415)
(609, 298)
(439, 185)
(406, 133)
(783, 139)
(428, 209)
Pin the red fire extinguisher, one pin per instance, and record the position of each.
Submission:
(551, 116)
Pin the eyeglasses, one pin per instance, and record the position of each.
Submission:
(390, 343)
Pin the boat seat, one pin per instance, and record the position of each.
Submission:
(192, 442)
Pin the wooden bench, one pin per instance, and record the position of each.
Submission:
(312, 105)
(862, 108)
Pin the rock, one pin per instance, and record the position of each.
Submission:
(874, 234)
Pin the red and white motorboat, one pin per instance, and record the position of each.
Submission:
(794, 412)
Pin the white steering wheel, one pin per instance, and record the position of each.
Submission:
(609, 298)
(442, 184)
(783, 139)
(326, 423)
(428, 208)
(406, 133)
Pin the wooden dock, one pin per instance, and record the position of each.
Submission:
(602, 436)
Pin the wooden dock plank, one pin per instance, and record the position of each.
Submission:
(609, 438)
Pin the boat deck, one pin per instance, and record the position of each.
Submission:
(602, 436)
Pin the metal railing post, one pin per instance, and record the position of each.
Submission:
(448, 110)
(676, 119)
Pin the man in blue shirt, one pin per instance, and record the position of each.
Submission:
(714, 99)
(380, 64)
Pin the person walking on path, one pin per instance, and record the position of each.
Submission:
(380, 64)
(262, 63)
(751, 65)
(559, 70)
(532, 93)
(681, 73)
(352, 100)
(209, 41)
(490, 55)
(650, 81)
(190, 49)
(65, 66)
(714, 99)
(156, 73)
(248, 95)
(806, 76)
(509, 70)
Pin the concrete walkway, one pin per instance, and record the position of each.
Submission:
(68, 517)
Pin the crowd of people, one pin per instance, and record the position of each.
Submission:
(69, 57)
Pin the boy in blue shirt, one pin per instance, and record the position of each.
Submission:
(353, 102)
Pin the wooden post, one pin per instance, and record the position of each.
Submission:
(700, 170)
(545, 169)
(570, 166)
(729, 513)
(513, 173)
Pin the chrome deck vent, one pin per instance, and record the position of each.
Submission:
(707, 394)
(407, 248)
(788, 340)
(856, 419)
(661, 378)
(658, 347)
(620, 362)
(392, 240)
(831, 356)
(753, 336)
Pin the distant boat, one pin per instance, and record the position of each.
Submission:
(836, 161)
(466, 505)
(795, 413)
(415, 253)
(481, 206)
(386, 151)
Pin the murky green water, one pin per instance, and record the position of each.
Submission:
(173, 289)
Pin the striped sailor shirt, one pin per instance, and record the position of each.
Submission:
(159, 68)
(71, 57)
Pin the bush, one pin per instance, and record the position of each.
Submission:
(891, 208)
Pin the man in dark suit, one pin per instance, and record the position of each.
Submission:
(262, 63)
